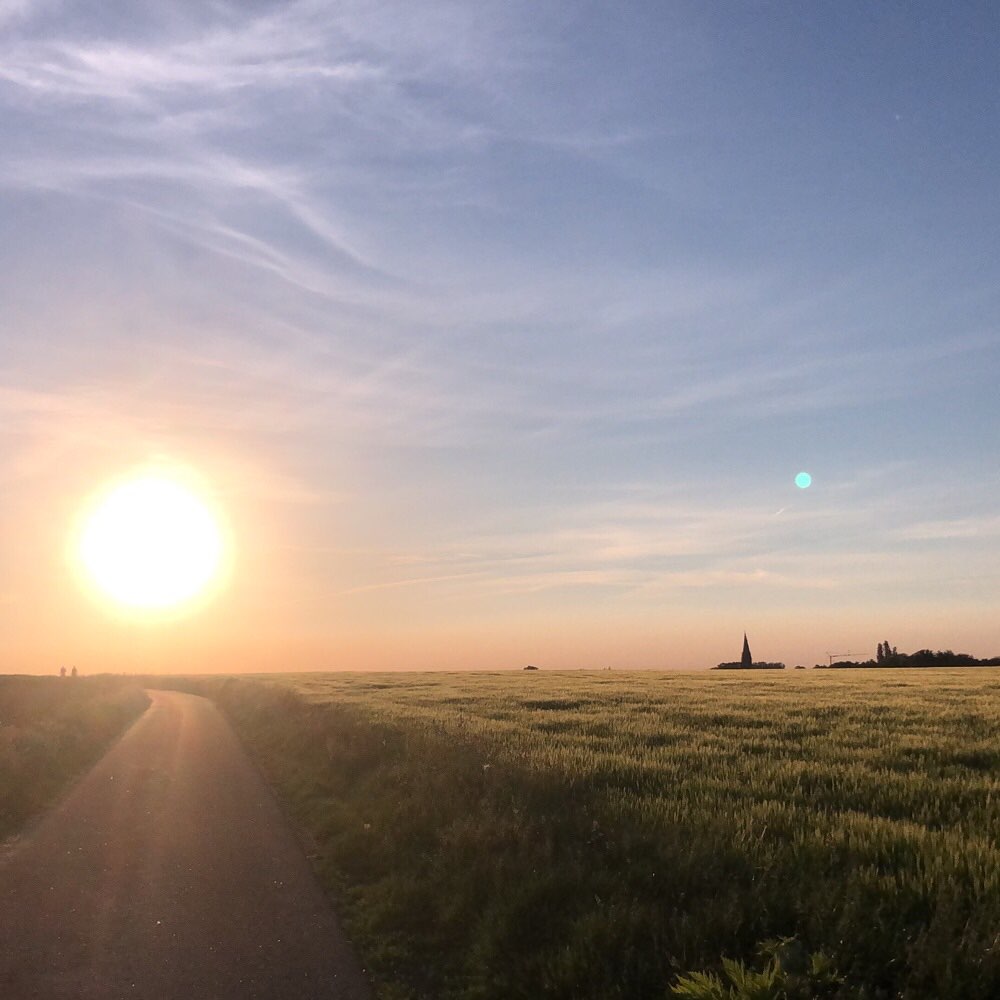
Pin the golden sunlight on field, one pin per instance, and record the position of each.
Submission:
(150, 543)
(607, 834)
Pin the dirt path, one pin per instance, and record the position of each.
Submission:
(169, 873)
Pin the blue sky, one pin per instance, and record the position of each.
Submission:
(503, 329)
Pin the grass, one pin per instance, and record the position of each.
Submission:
(51, 730)
(596, 835)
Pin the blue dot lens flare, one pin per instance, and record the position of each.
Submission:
(803, 480)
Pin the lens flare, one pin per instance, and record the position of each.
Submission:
(803, 480)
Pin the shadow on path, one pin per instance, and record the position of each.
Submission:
(167, 873)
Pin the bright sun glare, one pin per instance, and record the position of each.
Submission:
(151, 544)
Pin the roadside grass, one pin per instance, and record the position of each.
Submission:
(51, 730)
(597, 835)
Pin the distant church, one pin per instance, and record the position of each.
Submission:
(746, 661)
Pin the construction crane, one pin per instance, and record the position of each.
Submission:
(841, 655)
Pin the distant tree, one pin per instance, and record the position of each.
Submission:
(758, 665)
(62, 671)
(933, 658)
(880, 654)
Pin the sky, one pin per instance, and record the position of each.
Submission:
(499, 332)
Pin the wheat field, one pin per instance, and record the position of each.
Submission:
(596, 834)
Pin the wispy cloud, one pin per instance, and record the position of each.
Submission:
(526, 302)
(15, 11)
(981, 527)
(267, 51)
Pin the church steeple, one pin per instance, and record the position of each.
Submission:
(746, 660)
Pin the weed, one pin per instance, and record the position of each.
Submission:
(51, 730)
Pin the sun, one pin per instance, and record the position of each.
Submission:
(151, 544)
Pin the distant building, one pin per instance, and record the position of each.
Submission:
(746, 661)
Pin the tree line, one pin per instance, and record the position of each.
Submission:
(756, 665)
(887, 655)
